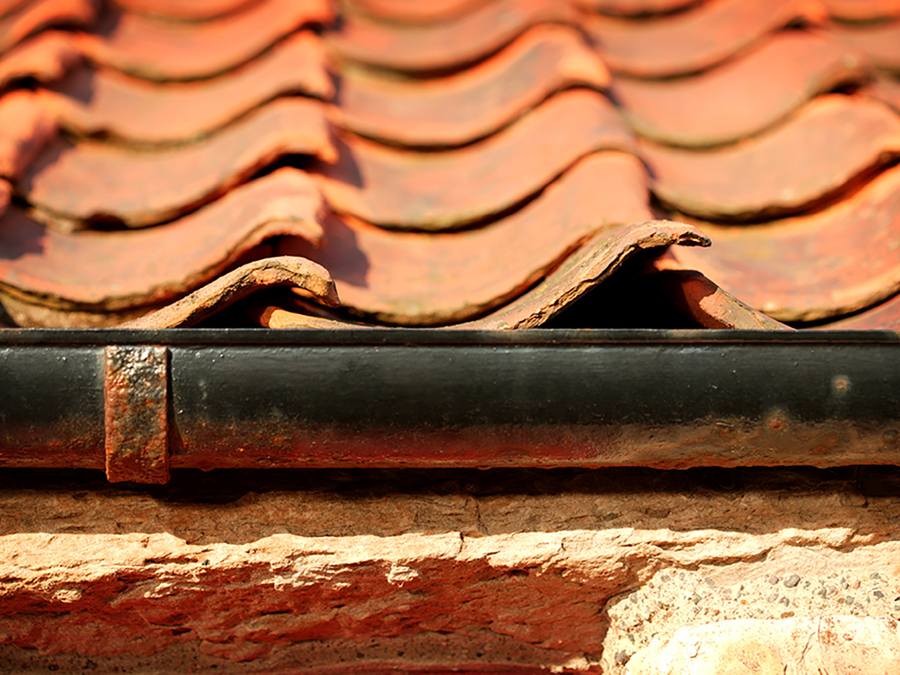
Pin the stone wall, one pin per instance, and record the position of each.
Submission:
(429, 571)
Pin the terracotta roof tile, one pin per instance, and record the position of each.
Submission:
(163, 50)
(34, 16)
(739, 98)
(185, 10)
(450, 189)
(772, 174)
(810, 267)
(94, 180)
(115, 271)
(448, 45)
(474, 103)
(106, 102)
(693, 41)
(45, 58)
(420, 278)
(492, 130)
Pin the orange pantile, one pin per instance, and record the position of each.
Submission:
(636, 7)
(826, 144)
(110, 103)
(885, 90)
(119, 270)
(815, 266)
(879, 43)
(474, 103)
(862, 10)
(34, 16)
(450, 189)
(413, 11)
(45, 58)
(585, 269)
(885, 316)
(237, 284)
(90, 180)
(694, 40)
(26, 126)
(419, 278)
(186, 10)
(448, 45)
(163, 50)
(739, 98)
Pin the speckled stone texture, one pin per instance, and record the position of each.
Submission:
(427, 571)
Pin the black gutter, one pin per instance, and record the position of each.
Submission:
(445, 398)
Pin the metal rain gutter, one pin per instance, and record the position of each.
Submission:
(138, 404)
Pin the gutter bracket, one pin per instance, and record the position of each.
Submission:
(135, 393)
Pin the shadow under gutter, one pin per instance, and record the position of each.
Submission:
(138, 404)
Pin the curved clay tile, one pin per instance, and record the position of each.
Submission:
(123, 269)
(26, 126)
(447, 45)
(416, 278)
(40, 14)
(862, 10)
(451, 189)
(709, 305)
(96, 180)
(10, 6)
(826, 144)
(45, 58)
(164, 50)
(475, 103)
(635, 7)
(886, 91)
(694, 40)
(810, 267)
(885, 316)
(108, 102)
(879, 43)
(585, 269)
(739, 98)
(185, 10)
(239, 283)
(413, 11)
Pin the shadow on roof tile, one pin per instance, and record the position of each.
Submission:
(92, 180)
(110, 103)
(695, 40)
(739, 98)
(163, 50)
(449, 45)
(44, 58)
(811, 267)
(26, 126)
(451, 189)
(475, 103)
(829, 142)
(34, 16)
(417, 278)
(636, 7)
(114, 271)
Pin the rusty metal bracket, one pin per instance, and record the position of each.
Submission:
(136, 398)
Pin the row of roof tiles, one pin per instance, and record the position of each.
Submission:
(449, 163)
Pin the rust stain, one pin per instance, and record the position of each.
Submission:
(32, 17)
(156, 49)
(44, 58)
(90, 180)
(739, 98)
(237, 284)
(839, 260)
(447, 45)
(424, 279)
(452, 110)
(119, 270)
(136, 417)
(773, 174)
(693, 41)
(140, 112)
(447, 190)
